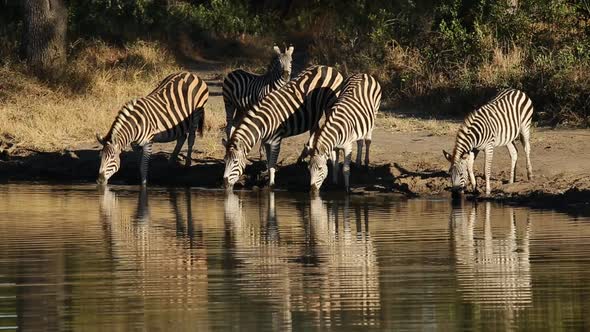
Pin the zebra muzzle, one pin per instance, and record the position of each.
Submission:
(456, 192)
(314, 189)
(101, 179)
(227, 185)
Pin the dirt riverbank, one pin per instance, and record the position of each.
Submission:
(409, 164)
(406, 159)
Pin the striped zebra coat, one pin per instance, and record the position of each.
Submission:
(241, 89)
(174, 110)
(351, 119)
(292, 110)
(500, 122)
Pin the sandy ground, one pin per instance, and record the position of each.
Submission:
(407, 163)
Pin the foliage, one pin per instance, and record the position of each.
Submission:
(445, 56)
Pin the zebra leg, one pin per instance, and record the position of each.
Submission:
(274, 149)
(346, 168)
(146, 151)
(488, 167)
(263, 152)
(176, 151)
(359, 151)
(230, 110)
(470, 161)
(367, 148)
(267, 148)
(526, 143)
(189, 149)
(335, 166)
(513, 158)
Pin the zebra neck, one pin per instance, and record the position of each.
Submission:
(122, 133)
(461, 148)
(247, 137)
(274, 77)
(468, 139)
(324, 145)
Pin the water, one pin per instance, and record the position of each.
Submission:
(76, 258)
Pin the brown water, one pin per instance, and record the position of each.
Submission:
(76, 258)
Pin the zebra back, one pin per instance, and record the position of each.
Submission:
(169, 111)
(293, 109)
(351, 117)
(498, 122)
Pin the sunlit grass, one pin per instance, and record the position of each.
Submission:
(67, 109)
(410, 124)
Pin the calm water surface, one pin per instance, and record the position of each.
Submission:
(79, 258)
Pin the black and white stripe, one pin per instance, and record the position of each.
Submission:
(242, 89)
(351, 119)
(172, 111)
(292, 110)
(498, 123)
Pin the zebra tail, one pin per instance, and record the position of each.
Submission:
(201, 122)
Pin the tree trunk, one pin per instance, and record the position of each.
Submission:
(44, 38)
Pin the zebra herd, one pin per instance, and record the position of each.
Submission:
(267, 108)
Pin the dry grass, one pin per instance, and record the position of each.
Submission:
(215, 128)
(64, 111)
(504, 66)
(409, 124)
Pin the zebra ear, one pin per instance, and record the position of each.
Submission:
(289, 50)
(100, 139)
(277, 49)
(447, 156)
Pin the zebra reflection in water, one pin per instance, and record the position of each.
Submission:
(331, 275)
(349, 266)
(151, 257)
(494, 270)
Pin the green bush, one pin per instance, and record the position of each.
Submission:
(430, 54)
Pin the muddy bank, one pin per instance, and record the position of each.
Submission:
(407, 164)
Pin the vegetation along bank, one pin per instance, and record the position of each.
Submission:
(436, 62)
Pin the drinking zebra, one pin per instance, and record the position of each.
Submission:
(242, 89)
(351, 119)
(497, 123)
(172, 111)
(293, 109)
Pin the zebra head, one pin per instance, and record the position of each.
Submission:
(282, 62)
(318, 170)
(110, 160)
(235, 163)
(458, 172)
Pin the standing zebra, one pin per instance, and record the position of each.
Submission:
(351, 119)
(242, 89)
(172, 111)
(497, 123)
(292, 110)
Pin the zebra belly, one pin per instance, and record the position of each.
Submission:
(504, 140)
(165, 137)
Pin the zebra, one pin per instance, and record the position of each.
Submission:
(293, 109)
(351, 118)
(172, 111)
(497, 123)
(242, 89)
